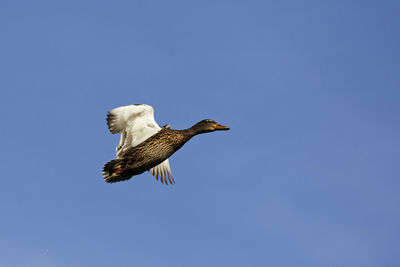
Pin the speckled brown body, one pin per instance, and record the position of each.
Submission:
(148, 154)
(156, 149)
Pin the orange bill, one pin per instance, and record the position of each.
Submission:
(220, 127)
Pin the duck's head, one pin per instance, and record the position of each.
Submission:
(208, 125)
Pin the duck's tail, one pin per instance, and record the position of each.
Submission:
(114, 171)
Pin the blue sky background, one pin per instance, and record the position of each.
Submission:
(307, 176)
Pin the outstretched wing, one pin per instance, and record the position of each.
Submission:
(136, 123)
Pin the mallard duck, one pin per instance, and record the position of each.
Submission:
(144, 145)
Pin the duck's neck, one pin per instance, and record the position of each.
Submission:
(192, 131)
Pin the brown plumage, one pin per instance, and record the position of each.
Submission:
(153, 151)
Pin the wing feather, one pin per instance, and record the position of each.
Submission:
(163, 171)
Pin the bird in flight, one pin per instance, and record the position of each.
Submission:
(144, 145)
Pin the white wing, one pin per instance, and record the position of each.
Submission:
(136, 123)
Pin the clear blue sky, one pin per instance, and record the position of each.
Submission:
(308, 175)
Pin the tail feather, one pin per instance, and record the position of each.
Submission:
(114, 171)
